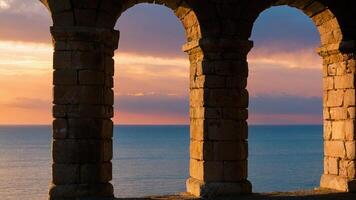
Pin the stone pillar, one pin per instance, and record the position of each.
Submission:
(218, 114)
(339, 116)
(83, 108)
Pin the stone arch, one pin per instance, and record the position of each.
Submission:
(84, 42)
(181, 9)
(324, 19)
(338, 93)
(217, 44)
(331, 33)
(187, 17)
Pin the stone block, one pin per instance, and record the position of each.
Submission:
(345, 81)
(60, 6)
(83, 4)
(206, 170)
(327, 130)
(230, 150)
(349, 98)
(196, 169)
(334, 149)
(229, 113)
(212, 190)
(326, 110)
(212, 113)
(235, 171)
(236, 82)
(91, 60)
(78, 95)
(197, 112)
(105, 19)
(328, 83)
(197, 130)
(189, 20)
(325, 71)
(334, 182)
(109, 81)
(85, 45)
(109, 97)
(348, 168)
(62, 59)
(71, 151)
(109, 66)
(342, 69)
(63, 18)
(96, 173)
(89, 77)
(63, 174)
(332, 69)
(113, 7)
(207, 81)
(351, 112)
(338, 113)
(235, 113)
(213, 171)
(60, 128)
(85, 17)
(90, 128)
(197, 97)
(89, 111)
(333, 165)
(322, 17)
(229, 98)
(77, 191)
(350, 150)
(335, 98)
(201, 150)
(59, 111)
(338, 130)
(350, 130)
(182, 10)
(226, 129)
(65, 77)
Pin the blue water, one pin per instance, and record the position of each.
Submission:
(154, 159)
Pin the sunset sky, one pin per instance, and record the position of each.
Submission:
(151, 80)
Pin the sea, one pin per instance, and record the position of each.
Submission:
(154, 160)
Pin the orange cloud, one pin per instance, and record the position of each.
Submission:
(300, 58)
(148, 74)
(296, 72)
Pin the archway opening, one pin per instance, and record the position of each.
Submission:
(25, 99)
(286, 102)
(151, 138)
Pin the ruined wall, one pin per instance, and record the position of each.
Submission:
(217, 33)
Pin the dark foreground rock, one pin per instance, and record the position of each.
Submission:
(298, 195)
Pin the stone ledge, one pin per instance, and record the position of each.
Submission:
(336, 182)
(214, 189)
(317, 194)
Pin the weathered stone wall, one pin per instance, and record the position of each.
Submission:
(218, 112)
(83, 98)
(217, 33)
(339, 119)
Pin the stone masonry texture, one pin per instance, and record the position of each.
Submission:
(217, 34)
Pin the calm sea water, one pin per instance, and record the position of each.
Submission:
(154, 159)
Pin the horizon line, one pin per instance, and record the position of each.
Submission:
(253, 124)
